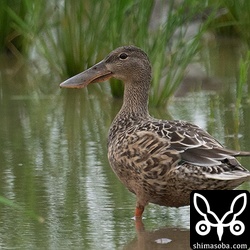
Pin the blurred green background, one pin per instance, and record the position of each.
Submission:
(57, 190)
(66, 37)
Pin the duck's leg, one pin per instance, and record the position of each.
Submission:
(138, 218)
(139, 211)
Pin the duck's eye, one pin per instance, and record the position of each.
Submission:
(123, 56)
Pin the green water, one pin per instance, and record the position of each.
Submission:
(53, 159)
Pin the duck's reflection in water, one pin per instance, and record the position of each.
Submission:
(163, 238)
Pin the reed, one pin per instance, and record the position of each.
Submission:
(70, 36)
(173, 50)
(21, 23)
(242, 92)
(86, 31)
(82, 32)
(234, 20)
(241, 86)
(96, 27)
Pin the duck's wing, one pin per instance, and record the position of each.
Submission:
(193, 145)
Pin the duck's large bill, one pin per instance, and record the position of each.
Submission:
(97, 73)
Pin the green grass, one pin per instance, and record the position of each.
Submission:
(241, 93)
(171, 56)
(21, 22)
(84, 32)
(234, 20)
(70, 36)
(242, 79)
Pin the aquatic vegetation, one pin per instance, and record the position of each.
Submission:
(243, 78)
(81, 35)
(21, 23)
(69, 36)
(234, 19)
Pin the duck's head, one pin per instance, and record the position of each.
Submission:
(128, 63)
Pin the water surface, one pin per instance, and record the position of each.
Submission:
(53, 159)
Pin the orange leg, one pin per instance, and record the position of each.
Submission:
(138, 218)
(139, 211)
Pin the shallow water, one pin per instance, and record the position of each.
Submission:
(53, 161)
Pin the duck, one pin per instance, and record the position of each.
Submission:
(160, 161)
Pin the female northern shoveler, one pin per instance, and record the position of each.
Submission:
(159, 161)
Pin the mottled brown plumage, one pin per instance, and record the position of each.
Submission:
(159, 161)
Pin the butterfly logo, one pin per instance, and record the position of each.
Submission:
(203, 227)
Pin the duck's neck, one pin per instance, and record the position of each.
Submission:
(133, 110)
(135, 100)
